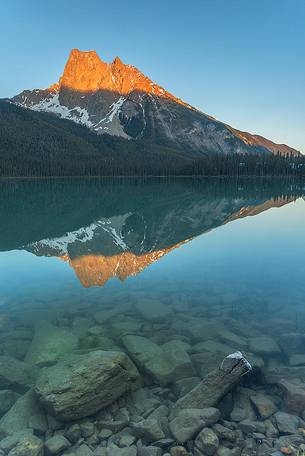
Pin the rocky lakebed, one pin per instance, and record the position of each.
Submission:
(149, 377)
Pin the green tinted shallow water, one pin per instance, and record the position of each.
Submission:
(186, 271)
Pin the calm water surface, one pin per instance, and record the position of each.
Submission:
(78, 240)
(220, 256)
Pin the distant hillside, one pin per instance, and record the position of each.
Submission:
(40, 144)
(37, 144)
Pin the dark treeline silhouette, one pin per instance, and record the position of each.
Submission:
(247, 165)
(34, 144)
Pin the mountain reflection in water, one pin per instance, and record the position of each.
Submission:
(107, 229)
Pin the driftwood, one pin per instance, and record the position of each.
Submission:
(216, 384)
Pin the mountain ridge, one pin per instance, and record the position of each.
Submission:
(118, 99)
(95, 269)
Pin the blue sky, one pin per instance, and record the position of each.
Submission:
(242, 61)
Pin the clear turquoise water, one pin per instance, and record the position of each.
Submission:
(219, 255)
(214, 245)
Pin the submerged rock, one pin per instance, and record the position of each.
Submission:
(149, 451)
(82, 385)
(15, 374)
(291, 442)
(207, 441)
(170, 366)
(264, 405)
(143, 402)
(297, 360)
(141, 349)
(294, 396)
(188, 422)
(57, 444)
(73, 433)
(114, 450)
(230, 338)
(270, 429)
(242, 408)
(19, 416)
(165, 364)
(153, 309)
(217, 383)
(106, 343)
(292, 343)
(224, 451)
(49, 344)
(149, 430)
(80, 326)
(28, 446)
(7, 400)
(17, 348)
(9, 442)
(114, 425)
(274, 375)
(264, 346)
(104, 315)
(206, 362)
(214, 346)
(83, 450)
(224, 433)
(125, 325)
(124, 438)
(249, 426)
(286, 423)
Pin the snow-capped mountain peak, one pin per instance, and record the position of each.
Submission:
(118, 99)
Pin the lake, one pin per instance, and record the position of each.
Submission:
(117, 297)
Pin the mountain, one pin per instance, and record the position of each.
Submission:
(105, 229)
(119, 100)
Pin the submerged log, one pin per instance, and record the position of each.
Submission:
(216, 384)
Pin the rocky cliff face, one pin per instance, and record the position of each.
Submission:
(118, 99)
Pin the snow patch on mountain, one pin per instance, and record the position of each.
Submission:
(113, 226)
(115, 109)
(111, 123)
(52, 104)
(84, 234)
